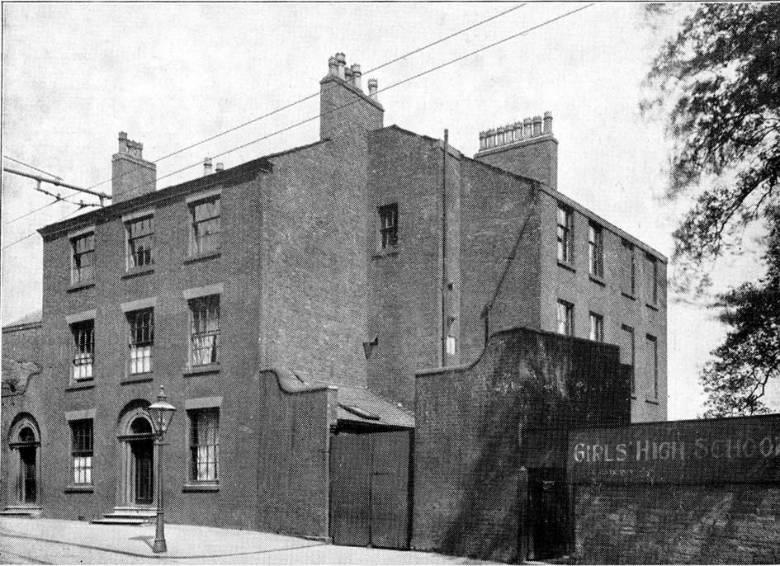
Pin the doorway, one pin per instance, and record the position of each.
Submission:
(548, 512)
(137, 446)
(25, 447)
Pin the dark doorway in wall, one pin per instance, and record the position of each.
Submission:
(29, 484)
(370, 488)
(143, 451)
(548, 513)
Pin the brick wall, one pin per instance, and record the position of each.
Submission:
(467, 437)
(21, 342)
(669, 524)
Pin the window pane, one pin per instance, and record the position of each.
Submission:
(141, 340)
(205, 226)
(204, 445)
(83, 258)
(84, 346)
(204, 343)
(81, 451)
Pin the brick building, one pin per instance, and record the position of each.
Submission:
(286, 304)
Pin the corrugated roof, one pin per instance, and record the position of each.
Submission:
(363, 406)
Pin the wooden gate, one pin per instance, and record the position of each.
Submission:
(370, 489)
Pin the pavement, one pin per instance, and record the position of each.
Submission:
(53, 541)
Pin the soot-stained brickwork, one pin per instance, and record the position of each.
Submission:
(287, 262)
(476, 426)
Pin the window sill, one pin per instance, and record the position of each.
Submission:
(598, 280)
(628, 295)
(80, 489)
(202, 257)
(388, 252)
(76, 385)
(652, 401)
(197, 487)
(136, 271)
(200, 370)
(80, 286)
(652, 306)
(568, 266)
(137, 378)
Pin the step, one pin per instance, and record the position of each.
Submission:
(133, 512)
(21, 511)
(118, 521)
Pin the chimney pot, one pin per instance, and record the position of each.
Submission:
(206, 166)
(518, 134)
(537, 125)
(356, 74)
(527, 128)
(122, 142)
(481, 140)
(219, 167)
(333, 66)
(341, 62)
(348, 75)
(547, 122)
(373, 85)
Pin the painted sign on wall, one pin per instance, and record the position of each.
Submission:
(717, 450)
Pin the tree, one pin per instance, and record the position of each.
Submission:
(720, 77)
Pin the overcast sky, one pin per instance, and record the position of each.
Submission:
(170, 75)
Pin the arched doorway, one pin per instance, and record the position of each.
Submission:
(25, 445)
(136, 439)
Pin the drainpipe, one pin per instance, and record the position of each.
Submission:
(444, 328)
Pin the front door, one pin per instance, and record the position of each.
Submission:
(28, 487)
(548, 506)
(143, 480)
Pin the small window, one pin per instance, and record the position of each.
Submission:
(652, 352)
(81, 451)
(141, 340)
(565, 233)
(83, 259)
(596, 250)
(596, 327)
(139, 242)
(628, 269)
(83, 350)
(204, 445)
(388, 225)
(565, 316)
(451, 346)
(204, 336)
(652, 280)
(206, 226)
(628, 352)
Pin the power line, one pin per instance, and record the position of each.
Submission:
(314, 95)
(31, 234)
(399, 83)
(36, 210)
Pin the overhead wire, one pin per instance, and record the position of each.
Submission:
(314, 95)
(394, 85)
(385, 89)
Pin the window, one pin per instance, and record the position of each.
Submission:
(596, 327)
(596, 250)
(204, 345)
(141, 340)
(204, 445)
(628, 269)
(84, 349)
(83, 261)
(565, 232)
(627, 351)
(652, 352)
(451, 346)
(139, 242)
(652, 279)
(388, 225)
(206, 226)
(81, 451)
(565, 316)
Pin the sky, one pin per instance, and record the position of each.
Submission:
(171, 75)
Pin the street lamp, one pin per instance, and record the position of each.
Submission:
(161, 413)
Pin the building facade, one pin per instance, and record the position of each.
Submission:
(291, 299)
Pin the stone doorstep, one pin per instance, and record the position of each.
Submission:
(21, 511)
(127, 516)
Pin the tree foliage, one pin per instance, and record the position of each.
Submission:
(719, 76)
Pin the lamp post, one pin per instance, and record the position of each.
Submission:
(161, 413)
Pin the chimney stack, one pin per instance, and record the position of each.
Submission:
(525, 148)
(206, 166)
(344, 108)
(131, 174)
(220, 167)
